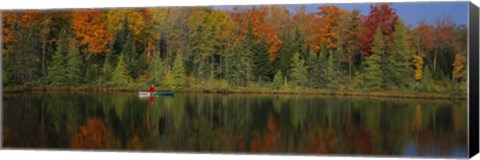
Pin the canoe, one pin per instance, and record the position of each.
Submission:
(166, 93)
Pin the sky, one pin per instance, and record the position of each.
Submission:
(411, 12)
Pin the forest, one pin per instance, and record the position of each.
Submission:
(269, 47)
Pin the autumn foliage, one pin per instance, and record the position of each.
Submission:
(243, 47)
(91, 136)
(320, 142)
(270, 138)
(22, 19)
(328, 26)
(90, 30)
(424, 36)
(381, 16)
(262, 29)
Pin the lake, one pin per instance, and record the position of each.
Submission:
(236, 123)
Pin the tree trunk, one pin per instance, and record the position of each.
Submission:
(435, 59)
(349, 72)
(44, 68)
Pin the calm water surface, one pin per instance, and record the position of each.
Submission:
(235, 124)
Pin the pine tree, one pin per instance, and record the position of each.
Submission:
(56, 72)
(298, 42)
(22, 53)
(107, 71)
(234, 73)
(263, 68)
(5, 71)
(130, 54)
(116, 45)
(316, 63)
(31, 51)
(73, 74)
(120, 75)
(168, 79)
(203, 48)
(373, 74)
(111, 57)
(107, 66)
(299, 72)
(156, 70)
(286, 55)
(398, 63)
(247, 56)
(9, 57)
(330, 72)
(382, 48)
(178, 72)
(427, 83)
(132, 59)
(277, 80)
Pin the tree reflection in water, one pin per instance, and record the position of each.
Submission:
(236, 123)
(91, 136)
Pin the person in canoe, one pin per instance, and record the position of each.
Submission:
(150, 92)
(151, 89)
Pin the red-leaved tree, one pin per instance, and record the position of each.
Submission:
(381, 16)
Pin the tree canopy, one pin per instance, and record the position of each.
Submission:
(328, 48)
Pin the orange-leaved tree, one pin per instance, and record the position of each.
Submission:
(90, 30)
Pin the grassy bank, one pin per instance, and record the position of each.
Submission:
(239, 90)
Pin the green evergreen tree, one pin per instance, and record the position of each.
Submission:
(382, 49)
(372, 76)
(120, 75)
(247, 56)
(156, 70)
(74, 63)
(133, 59)
(107, 71)
(299, 72)
(178, 72)
(116, 44)
(130, 54)
(31, 50)
(298, 43)
(108, 65)
(168, 79)
(315, 66)
(203, 48)
(277, 80)
(5, 71)
(398, 61)
(22, 54)
(427, 83)
(234, 73)
(330, 72)
(263, 69)
(286, 52)
(11, 57)
(111, 58)
(57, 70)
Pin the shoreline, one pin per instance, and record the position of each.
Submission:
(240, 90)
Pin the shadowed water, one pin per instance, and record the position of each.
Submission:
(236, 124)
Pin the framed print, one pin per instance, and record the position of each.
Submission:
(356, 79)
